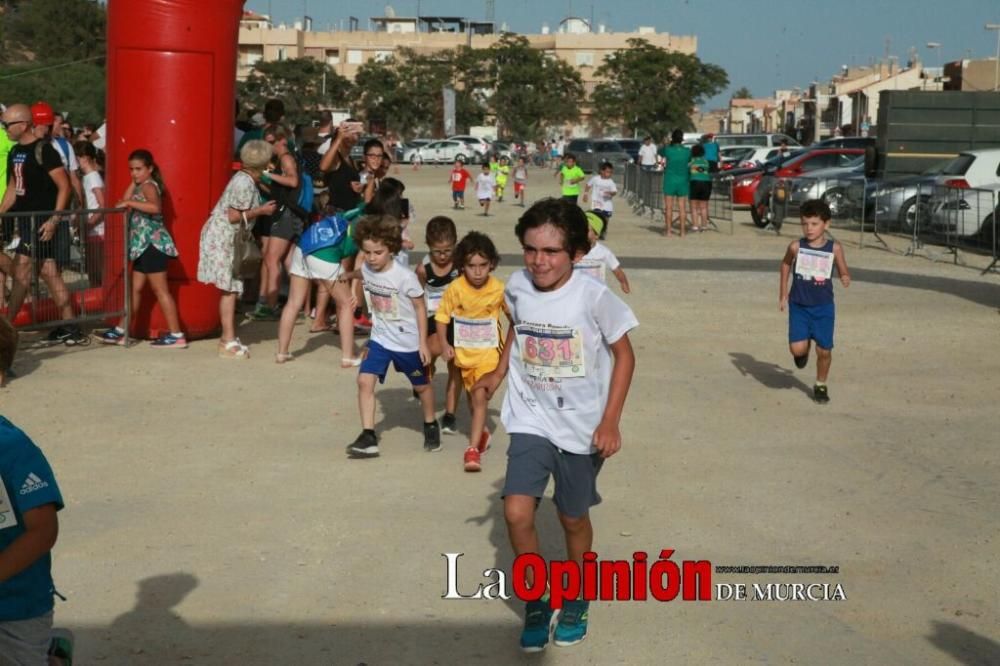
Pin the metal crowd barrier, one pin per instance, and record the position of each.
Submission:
(950, 219)
(78, 267)
(644, 192)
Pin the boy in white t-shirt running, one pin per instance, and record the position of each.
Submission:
(600, 259)
(399, 330)
(485, 185)
(601, 189)
(570, 364)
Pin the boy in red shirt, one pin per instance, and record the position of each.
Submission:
(459, 178)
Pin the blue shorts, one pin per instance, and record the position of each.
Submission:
(811, 322)
(532, 459)
(377, 359)
(458, 195)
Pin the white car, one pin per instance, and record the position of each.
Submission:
(446, 152)
(967, 195)
(480, 145)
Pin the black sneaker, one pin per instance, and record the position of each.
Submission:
(449, 424)
(820, 394)
(58, 334)
(432, 437)
(801, 361)
(365, 446)
(74, 336)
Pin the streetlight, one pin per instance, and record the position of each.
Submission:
(995, 27)
(937, 46)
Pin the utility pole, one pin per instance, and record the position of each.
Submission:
(995, 27)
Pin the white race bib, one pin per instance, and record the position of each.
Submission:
(7, 517)
(551, 351)
(595, 269)
(476, 333)
(814, 264)
(384, 305)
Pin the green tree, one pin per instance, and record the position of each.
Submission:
(299, 83)
(652, 90)
(77, 90)
(532, 90)
(743, 93)
(53, 31)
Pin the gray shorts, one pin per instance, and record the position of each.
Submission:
(26, 642)
(532, 459)
(287, 226)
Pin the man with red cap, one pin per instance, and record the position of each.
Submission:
(44, 119)
(36, 182)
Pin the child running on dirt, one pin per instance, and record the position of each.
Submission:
(399, 331)
(459, 179)
(600, 259)
(473, 303)
(485, 185)
(502, 174)
(571, 364)
(520, 180)
(810, 260)
(437, 271)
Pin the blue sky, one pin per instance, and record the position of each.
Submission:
(763, 45)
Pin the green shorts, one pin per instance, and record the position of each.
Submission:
(676, 187)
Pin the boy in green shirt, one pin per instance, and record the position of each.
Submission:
(570, 177)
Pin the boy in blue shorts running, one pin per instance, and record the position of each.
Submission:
(570, 364)
(810, 260)
(399, 331)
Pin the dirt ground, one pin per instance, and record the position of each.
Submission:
(212, 516)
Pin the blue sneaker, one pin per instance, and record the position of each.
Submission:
(113, 336)
(572, 627)
(170, 341)
(537, 618)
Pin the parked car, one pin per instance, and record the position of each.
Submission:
(501, 149)
(732, 156)
(965, 200)
(591, 152)
(804, 163)
(763, 140)
(446, 151)
(630, 146)
(480, 145)
(846, 142)
(830, 185)
(896, 203)
(405, 151)
(744, 179)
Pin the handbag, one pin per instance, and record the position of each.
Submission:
(246, 255)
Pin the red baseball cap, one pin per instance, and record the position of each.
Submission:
(42, 114)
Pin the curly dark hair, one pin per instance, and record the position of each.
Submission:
(563, 215)
(816, 208)
(441, 229)
(383, 229)
(473, 243)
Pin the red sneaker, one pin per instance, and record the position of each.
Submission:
(471, 460)
(484, 441)
(362, 324)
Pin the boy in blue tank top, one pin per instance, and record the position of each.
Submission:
(810, 261)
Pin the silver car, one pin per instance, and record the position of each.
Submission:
(590, 153)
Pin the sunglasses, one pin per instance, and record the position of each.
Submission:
(12, 123)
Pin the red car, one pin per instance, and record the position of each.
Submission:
(745, 183)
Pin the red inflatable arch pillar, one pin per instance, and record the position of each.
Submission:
(171, 79)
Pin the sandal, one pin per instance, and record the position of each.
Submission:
(346, 362)
(233, 349)
(282, 358)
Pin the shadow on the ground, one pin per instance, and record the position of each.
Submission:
(964, 646)
(33, 350)
(771, 375)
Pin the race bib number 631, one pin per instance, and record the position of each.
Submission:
(551, 352)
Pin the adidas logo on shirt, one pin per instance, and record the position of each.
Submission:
(33, 483)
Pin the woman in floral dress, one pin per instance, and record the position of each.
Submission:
(240, 203)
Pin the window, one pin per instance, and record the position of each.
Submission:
(354, 57)
(382, 56)
(251, 55)
(281, 53)
(333, 56)
(584, 58)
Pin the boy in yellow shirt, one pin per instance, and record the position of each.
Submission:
(474, 300)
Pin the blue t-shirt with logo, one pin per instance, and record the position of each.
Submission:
(28, 483)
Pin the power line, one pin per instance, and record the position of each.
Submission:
(45, 69)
